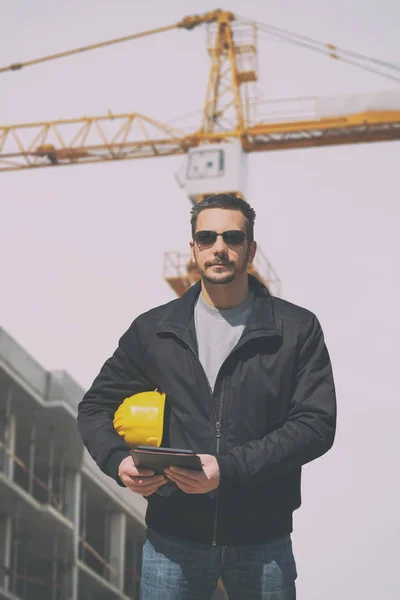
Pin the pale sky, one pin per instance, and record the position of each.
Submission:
(81, 247)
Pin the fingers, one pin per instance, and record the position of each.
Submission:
(145, 481)
(145, 485)
(143, 472)
(127, 468)
(131, 470)
(184, 483)
(140, 481)
(153, 490)
(184, 475)
(188, 489)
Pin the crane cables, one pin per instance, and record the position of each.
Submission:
(187, 23)
(126, 38)
(354, 59)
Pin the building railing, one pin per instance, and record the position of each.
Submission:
(53, 499)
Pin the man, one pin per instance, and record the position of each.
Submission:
(249, 388)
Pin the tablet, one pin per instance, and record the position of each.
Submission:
(158, 459)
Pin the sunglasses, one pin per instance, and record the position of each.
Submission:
(233, 237)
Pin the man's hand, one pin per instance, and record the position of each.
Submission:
(141, 481)
(196, 482)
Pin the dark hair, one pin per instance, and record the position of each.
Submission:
(228, 202)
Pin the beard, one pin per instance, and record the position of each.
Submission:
(227, 272)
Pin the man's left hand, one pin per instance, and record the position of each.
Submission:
(196, 482)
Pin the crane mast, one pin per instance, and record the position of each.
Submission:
(223, 90)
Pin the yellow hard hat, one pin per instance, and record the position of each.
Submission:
(140, 419)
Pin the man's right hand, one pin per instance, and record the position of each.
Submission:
(141, 481)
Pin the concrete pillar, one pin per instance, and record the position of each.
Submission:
(72, 497)
(32, 448)
(10, 425)
(73, 482)
(5, 550)
(61, 477)
(54, 570)
(50, 479)
(117, 548)
(15, 551)
(12, 445)
(136, 563)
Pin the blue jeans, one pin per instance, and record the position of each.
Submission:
(180, 570)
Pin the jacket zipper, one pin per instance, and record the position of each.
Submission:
(218, 436)
(217, 419)
(217, 430)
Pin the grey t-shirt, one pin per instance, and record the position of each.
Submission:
(218, 331)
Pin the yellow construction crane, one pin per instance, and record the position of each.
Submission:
(229, 121)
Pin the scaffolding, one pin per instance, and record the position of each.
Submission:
(181, 273)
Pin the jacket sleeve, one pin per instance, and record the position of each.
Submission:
(121, 376)
(309, 431)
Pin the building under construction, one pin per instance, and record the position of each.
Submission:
(67, 532)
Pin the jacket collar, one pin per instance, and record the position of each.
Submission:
(263, 319)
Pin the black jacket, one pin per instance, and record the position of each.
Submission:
(273, 410)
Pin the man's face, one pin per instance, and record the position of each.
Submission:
(221, 262)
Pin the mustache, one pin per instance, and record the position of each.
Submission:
(220, 263)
